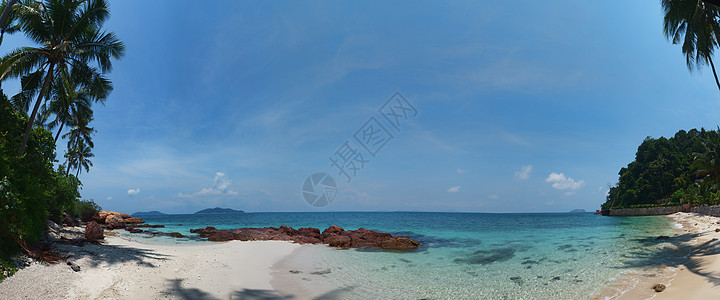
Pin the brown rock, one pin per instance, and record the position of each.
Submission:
(133, 220)
(134, 230)
(288, 230)
(307, 240)
(399, 243)
(221, 236)
(334, 236)
(243, 234)
(116, 226)
(176, 235)
(204, 232)
(310, 232)
(659, 287)
(332, 230)
(93, 231)
(69, 220)
(338, 241)
(113, 219)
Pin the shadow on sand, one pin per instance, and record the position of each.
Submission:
(175, 289)
(676, 251)
(113, 254)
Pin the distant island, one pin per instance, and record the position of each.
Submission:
(579, 210)
(218, 210)
(149, 213)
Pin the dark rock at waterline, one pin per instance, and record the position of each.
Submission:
(116, 226)
(339, 241)
(333, 236)
(175, 235)
(221, 236)
(484, 257)
(146, 225)
(134, 230)
(556, 278)
(659, 287)
(204, 232)
(662, 237)
(323, 272)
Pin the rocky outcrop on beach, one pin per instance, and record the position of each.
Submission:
(115, 219)
(333, 236)
(93, 231)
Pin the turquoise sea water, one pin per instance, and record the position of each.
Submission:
(463, 255)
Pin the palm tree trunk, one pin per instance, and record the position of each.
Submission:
(6, 12)
(48, 78)
(714, 73)
(59, 131)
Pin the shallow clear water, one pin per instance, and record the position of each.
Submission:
(465, 255)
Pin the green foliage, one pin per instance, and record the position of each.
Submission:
(694, 24)
(26, 180)
(665, 171)
(63, 195)
(83, 209)
(7, 269)
(31, 189)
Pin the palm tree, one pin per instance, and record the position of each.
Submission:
(708, 161)
(7, 19)
(73, 95)
(80, 132)
(78, 156)
(69, 34)
(693, 23)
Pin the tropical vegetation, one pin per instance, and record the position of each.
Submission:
(679, 170)
(61, 77)
(694, 24)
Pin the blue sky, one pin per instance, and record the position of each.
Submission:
(521, 107)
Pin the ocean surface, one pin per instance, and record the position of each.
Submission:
(463, 255)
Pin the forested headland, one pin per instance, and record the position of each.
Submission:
(670, 171)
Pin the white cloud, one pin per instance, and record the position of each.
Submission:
(109, 198)
(132, 192)
(561, 182)
(524, 172)
(494, 196)
(460, 171)
(454, 189)
(221, 185)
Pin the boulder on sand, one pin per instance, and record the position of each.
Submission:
(93, 231)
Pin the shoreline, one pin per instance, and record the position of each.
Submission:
(126, 269)
(693, 272)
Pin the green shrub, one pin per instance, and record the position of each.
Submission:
(84, 209)
(7, 269)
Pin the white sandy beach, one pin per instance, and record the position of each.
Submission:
(126, 269)
(696, 276)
